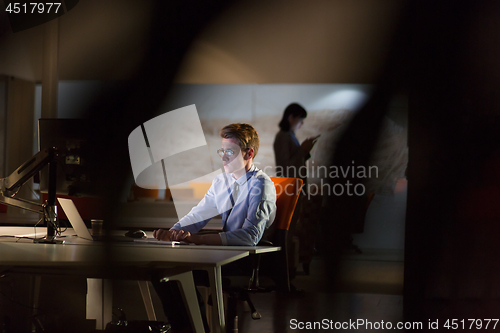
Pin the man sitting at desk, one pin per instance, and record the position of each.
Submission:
(244, 196)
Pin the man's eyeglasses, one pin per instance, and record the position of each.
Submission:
(227, 152)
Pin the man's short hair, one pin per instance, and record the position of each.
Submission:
(245, 134)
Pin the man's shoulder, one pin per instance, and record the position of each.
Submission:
(262, 186)
(261, 175)
(261, 179)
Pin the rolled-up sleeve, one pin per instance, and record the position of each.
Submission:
(200, 215)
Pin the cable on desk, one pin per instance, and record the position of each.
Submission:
(65, 228)
(34, 227)
(18, 237)
(59, 231)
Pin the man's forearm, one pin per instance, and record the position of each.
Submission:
(209, 239)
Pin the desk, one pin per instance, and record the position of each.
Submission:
(251, 250)
(215, 277)
(97, 260)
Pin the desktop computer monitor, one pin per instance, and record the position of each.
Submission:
(78, 168)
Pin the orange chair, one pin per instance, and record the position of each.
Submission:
(287, 195)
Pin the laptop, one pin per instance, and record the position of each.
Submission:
(76, 221)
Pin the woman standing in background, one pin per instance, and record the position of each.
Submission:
(290, 155)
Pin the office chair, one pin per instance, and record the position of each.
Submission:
(287, 195)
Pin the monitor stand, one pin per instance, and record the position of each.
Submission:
(49, 240)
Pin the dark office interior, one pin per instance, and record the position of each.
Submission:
(423, 249)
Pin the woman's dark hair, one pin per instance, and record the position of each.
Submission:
(295, 110)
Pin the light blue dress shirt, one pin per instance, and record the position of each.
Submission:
(254, 210)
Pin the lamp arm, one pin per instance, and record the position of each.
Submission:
(11, 184)
(24, 204)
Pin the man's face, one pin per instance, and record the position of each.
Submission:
(235, 161)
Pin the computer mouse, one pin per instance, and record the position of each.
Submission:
(136, 233)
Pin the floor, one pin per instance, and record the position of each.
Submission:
(371, 290)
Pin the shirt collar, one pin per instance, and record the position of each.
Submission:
(242, 180)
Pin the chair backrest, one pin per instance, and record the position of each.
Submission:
(287, 195)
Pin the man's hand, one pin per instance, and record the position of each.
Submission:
(180, 235)
(162, 234)
(186, 236)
